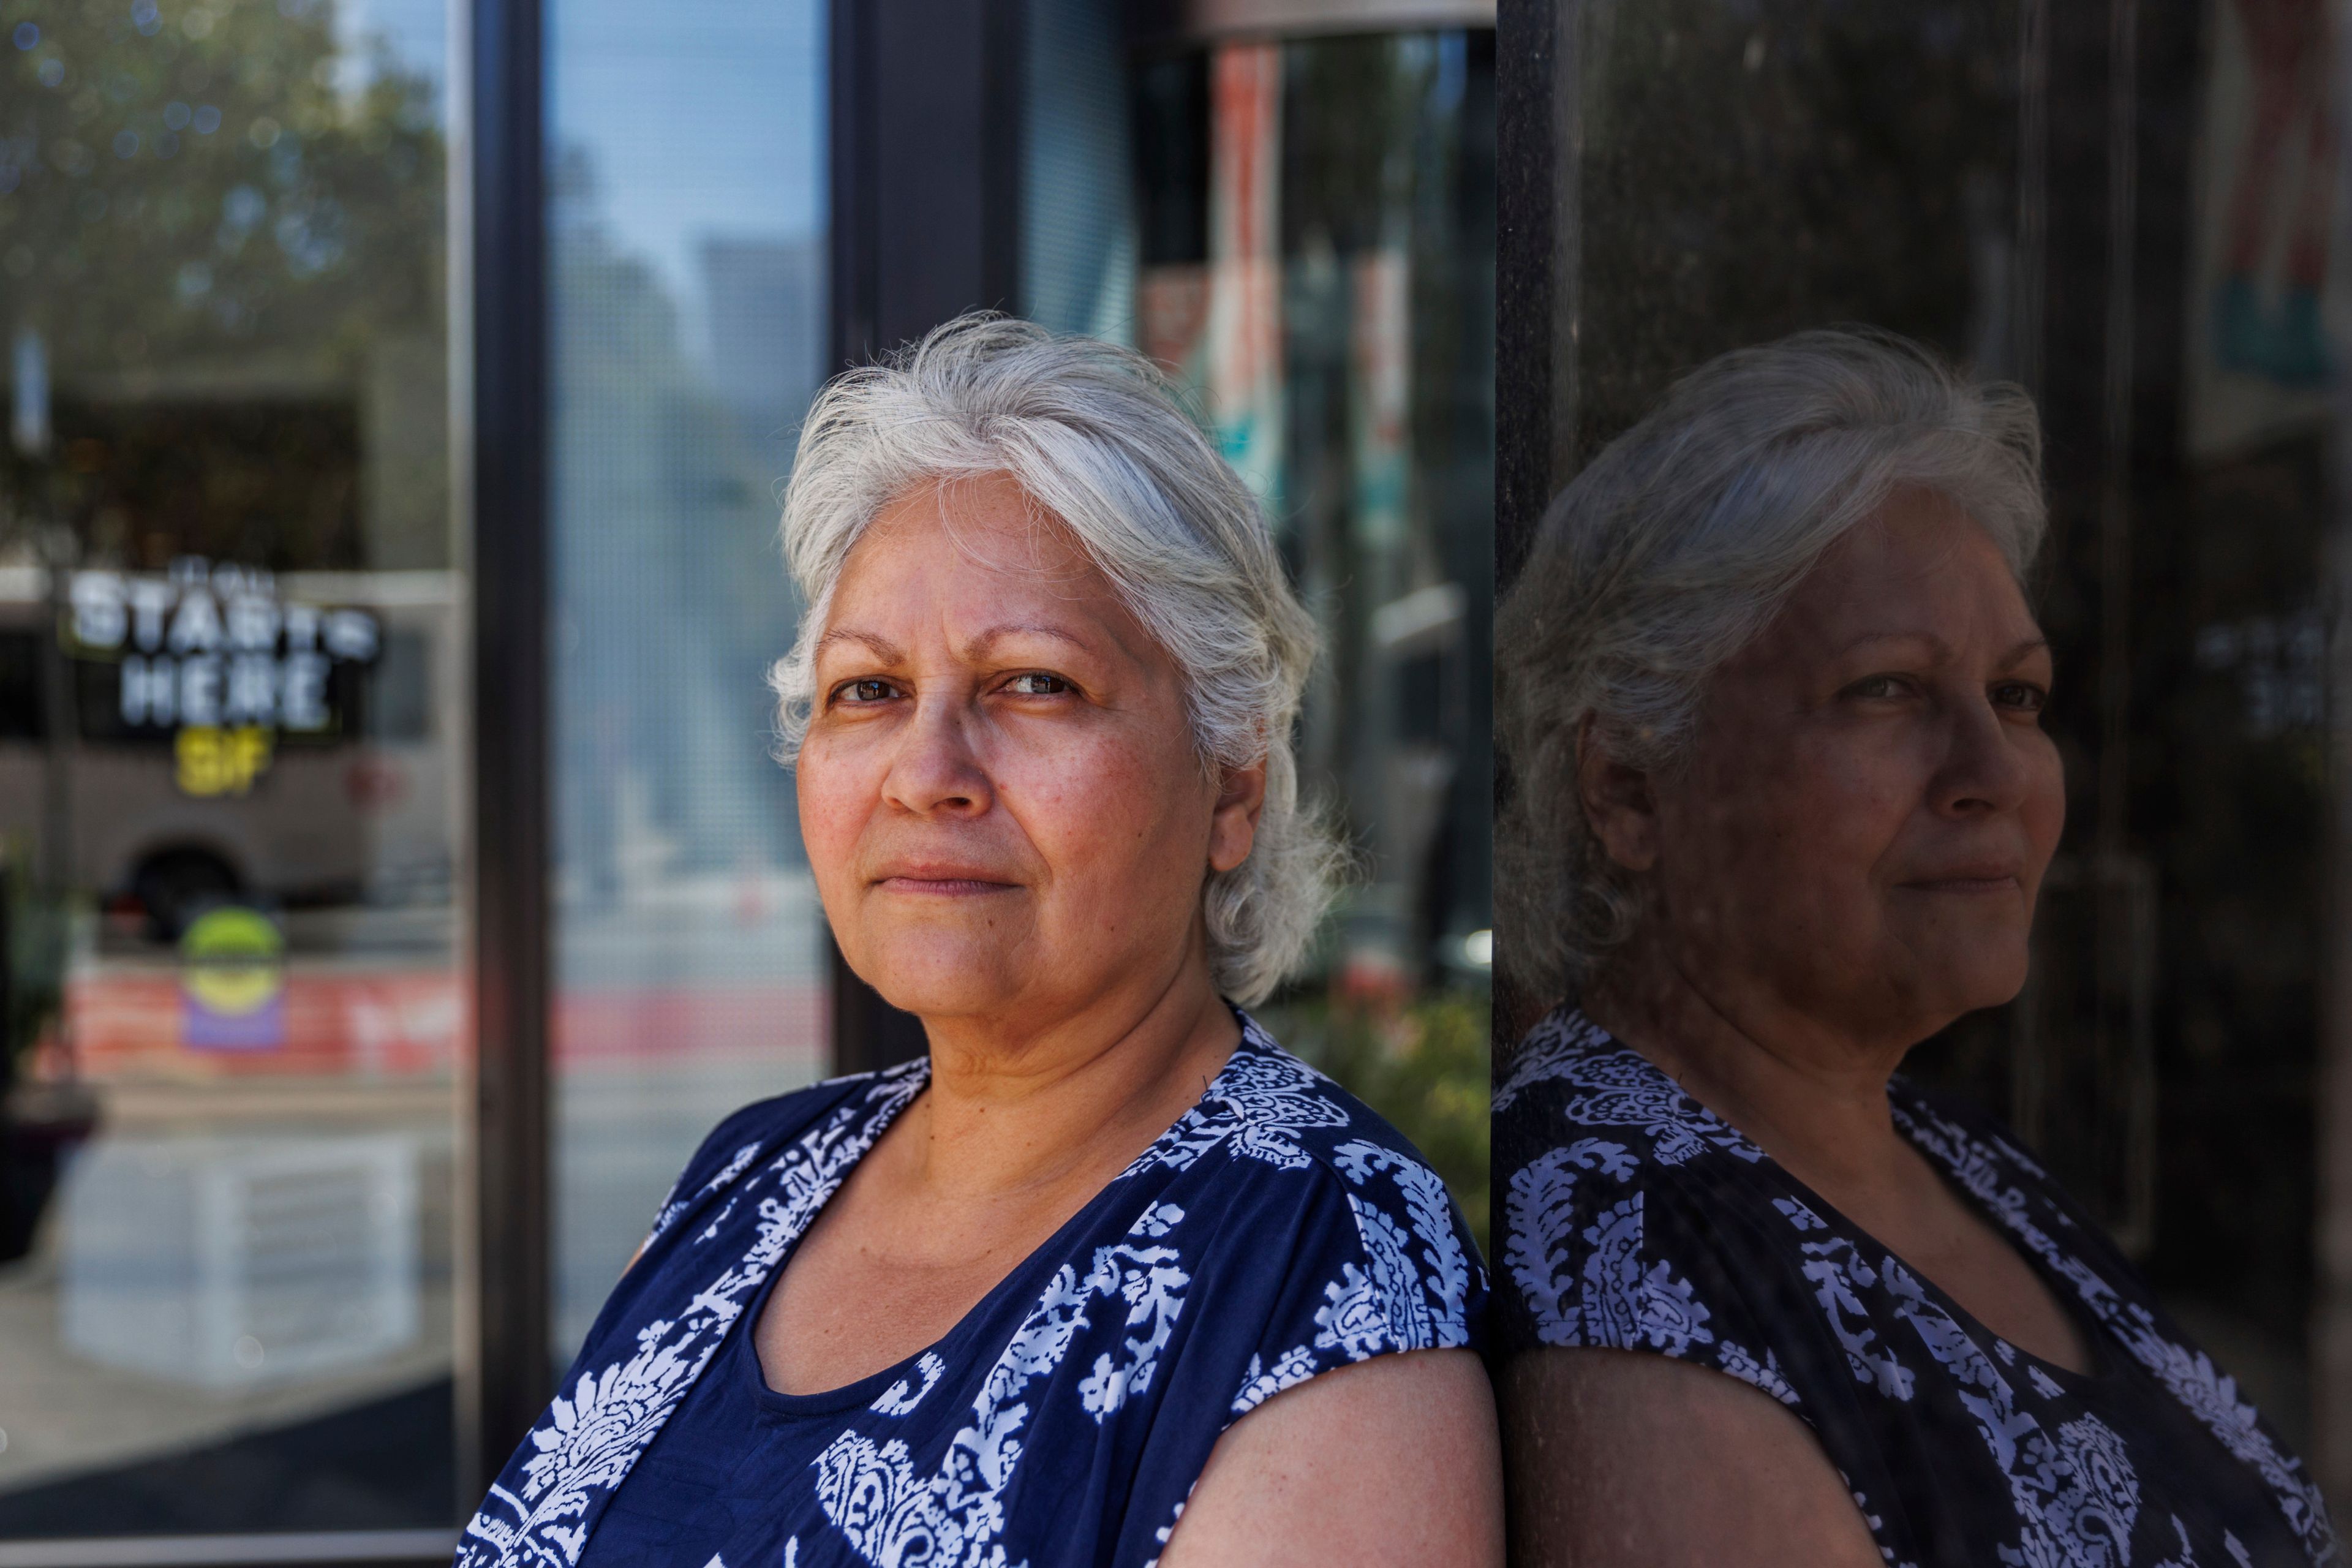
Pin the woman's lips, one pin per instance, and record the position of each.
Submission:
(1985, 882)
(937, 886)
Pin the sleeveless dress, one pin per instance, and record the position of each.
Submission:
(1634, 1218)
(1278, 1229)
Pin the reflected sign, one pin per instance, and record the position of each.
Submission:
(211, 655)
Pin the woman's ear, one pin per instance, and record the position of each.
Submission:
(1618, 802)
(1241, 799)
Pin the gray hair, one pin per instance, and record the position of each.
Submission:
(1675, 547)
(1094, 434)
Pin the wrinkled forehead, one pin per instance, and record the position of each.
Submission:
(987, 521)
(1918, 564)
(977, 552)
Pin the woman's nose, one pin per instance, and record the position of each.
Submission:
(936, 767)
(1984, 767)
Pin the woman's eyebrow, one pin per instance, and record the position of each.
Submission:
(1940, 650)
(2023, 651)
(1937, 647)
(882, 648)
(982, 642)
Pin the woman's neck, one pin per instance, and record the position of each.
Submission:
(1023, 1108)
(1810, 1093)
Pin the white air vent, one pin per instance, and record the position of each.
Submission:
(231, 1262)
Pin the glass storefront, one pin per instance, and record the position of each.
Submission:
(230, 774)
(234, 660)
(2131, 210)
(1315, 263)
(690, 325)
(1301, 232)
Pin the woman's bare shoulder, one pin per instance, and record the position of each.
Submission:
(1628, 1457)
(1393, 1460)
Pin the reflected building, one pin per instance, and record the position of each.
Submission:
(689, 951)
(764, 303)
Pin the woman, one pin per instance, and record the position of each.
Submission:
(1772, 694)
(1108, 1248)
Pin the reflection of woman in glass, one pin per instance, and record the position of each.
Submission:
(1772, 695)
(1011, 1303)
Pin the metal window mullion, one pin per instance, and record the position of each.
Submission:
(505, 1371)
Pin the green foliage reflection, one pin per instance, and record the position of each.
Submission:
(210, 180)
(1422, 1064)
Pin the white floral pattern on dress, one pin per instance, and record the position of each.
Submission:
(1098, 1335)
(584, 1446)
(1558, 1047)
(1614, 1087)
(1586, 1271)
(1841, 1274)
(1426, 1290)
(1258, 1105)
(2188, 1373)
(2073, 1488)
(955, 1517)
(1414, 1296)
(901, 1398)
(674, 1205)
(1291, 1368)
(1153, 1290)
(1764, 1375)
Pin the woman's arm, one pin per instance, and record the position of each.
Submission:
(1620, 1459)
(1391, 1461)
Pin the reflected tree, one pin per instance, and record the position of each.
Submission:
(220, 180)
(223, 227)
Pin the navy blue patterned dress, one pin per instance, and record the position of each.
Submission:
(1278, 1230)
(1634, 1219)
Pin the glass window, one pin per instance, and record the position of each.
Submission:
(687, 230)
(229, 702)
(2134, 211)
(1303, 235)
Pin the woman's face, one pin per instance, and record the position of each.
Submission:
(1870, 801)
(999, 790)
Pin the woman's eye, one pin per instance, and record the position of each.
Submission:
(867, 690)
(1036, 684)
(1876, 686)
(2022, 694)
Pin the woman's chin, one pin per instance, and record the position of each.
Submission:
(1971, 982)
(942, 980)
(1979, 949)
